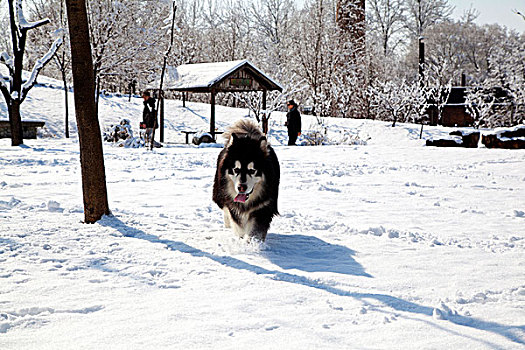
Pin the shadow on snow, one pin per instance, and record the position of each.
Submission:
(512, 333)
(310, 254)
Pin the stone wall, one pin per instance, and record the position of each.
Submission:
(29, 129)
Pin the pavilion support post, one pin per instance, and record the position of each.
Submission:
(161, 118)
(212, 115)
(264, 116)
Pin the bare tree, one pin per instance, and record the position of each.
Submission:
(119, 35)
(273, 23)
(275, 100)
(387, 18)
(91, 154)
(13, 87)
(165, 61)
(394, 100)
(315, 53)
(424, 13)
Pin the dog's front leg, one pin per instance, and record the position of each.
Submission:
(227, 217)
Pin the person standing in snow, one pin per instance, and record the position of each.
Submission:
(149, 117)
(293, 122)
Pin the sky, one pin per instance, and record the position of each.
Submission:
(494, 11)
(491, 11)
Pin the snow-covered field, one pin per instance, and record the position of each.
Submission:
(389, 245)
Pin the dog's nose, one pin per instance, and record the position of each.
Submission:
(242, 188)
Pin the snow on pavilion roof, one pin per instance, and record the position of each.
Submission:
(203, 76)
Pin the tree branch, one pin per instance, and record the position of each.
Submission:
(23, 24)
(8, 61)
(5, 89)
(38, 67)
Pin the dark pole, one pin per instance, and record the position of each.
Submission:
(421, 61)
(421, 72)
(63, 71)
(212, 116)
(184, 99)
(264, 116)
(97, 94)
(64, 79)
(161, 118)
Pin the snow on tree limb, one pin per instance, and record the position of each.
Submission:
(4, 87)
(8, 61)
(38, 66)
(23, 24)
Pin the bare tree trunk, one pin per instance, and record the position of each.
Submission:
(62, 67)
(64, 79)
(15, 122)
(18, 42)
(91, 153)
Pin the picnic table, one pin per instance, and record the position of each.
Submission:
(194, 132)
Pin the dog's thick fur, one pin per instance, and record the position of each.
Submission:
(246, 183)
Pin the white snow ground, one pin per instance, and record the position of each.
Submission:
(391, 245)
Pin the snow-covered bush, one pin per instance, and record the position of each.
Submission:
(122, 131)
(314, 138)
(351, 139)
(122, 135)
(133, 142)
(317, 135)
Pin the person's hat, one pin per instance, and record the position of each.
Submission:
(292, 102)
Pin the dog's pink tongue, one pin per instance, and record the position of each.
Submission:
(241, 197)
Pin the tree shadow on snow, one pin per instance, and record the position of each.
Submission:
(512, 333)
(311, 254)
(197, 114)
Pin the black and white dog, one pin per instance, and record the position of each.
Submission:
(246, 183)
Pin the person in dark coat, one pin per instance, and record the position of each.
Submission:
(149, 117)
(293, 122)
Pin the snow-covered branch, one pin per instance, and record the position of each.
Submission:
(38, 66)
(480, 102)
(4, 87)
(8, 61)
(23, 24)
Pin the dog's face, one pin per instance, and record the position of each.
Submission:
(244, 178)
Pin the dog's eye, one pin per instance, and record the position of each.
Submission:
(237, 170)
(251, 171)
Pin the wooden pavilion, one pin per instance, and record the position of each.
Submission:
(212, 78)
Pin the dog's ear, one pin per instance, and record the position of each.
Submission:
(263, 144)
(233, 139)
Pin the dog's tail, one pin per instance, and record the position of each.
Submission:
(243, 128)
